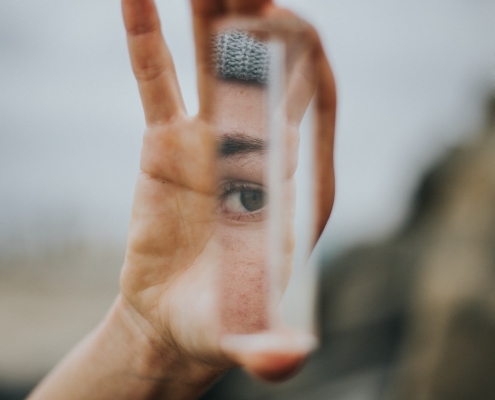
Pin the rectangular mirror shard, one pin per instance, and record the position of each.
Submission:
(261, 86)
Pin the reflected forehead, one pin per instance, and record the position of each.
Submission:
(240, 144)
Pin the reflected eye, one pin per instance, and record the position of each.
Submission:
(252, 200)
(242, 200)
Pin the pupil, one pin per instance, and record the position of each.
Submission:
(252, 200)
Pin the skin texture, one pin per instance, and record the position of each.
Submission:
(241, 109)
(162, 339)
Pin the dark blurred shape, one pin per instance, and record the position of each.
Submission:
(412, 317)
(467, 365)
(14, 393)
(449, 351)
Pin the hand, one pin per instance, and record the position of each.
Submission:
(168, 282)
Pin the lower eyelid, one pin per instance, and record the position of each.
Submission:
(248, 216)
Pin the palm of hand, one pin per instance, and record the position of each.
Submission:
(168, 275)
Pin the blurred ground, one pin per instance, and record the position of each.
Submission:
(48, 302)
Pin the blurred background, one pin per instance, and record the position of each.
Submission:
(408, 280)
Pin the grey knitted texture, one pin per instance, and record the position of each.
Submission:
(239, 56)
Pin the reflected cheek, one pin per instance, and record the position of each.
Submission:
(243, 279)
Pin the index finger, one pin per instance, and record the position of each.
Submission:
(151, 61)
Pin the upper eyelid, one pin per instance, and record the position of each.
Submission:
(232, 186)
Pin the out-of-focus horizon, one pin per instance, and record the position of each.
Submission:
(412, 81)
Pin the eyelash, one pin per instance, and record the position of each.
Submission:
(237, 187)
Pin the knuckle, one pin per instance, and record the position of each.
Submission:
(142, 27)
(147, 71)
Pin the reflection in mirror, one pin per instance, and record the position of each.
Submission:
(259, 96)
(239, 115)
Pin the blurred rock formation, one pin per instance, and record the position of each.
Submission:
(413, 317)
(449, 350)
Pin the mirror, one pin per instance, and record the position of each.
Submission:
(261, 86)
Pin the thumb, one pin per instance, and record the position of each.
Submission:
(269, 356)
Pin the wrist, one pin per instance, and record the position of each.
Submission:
(150, 359)
(121, 359)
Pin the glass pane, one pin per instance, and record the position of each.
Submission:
(261, 86)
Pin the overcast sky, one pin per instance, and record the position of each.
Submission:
(411, 79)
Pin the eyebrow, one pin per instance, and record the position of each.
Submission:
(240, 144)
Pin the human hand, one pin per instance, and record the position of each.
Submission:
(168, 280)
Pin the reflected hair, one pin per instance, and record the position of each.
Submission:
(241, 57)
